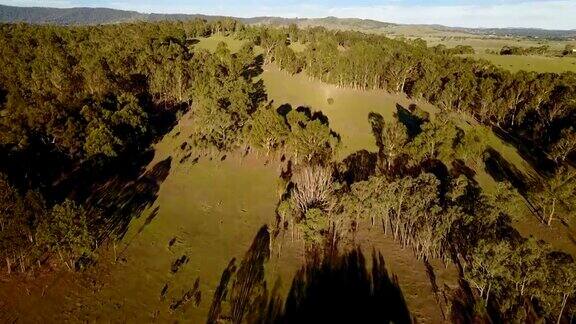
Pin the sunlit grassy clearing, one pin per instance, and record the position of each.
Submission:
(541, 64)
(214, 209)
(210, 43)
(348, 114)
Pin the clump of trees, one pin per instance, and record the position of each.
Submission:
(309, 144)
(566, 145)
(391, 139)
(267, 130)
(225, 97)
(534, 50)
(299, 134)
(569, 50)
(311, 140)
(457, 50)
(65, 232)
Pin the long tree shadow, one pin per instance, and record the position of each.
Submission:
(412, 122)
(341, 289)
(121, 201)
(337, 288)
(500, 170)
(248, 285)
(533, 154)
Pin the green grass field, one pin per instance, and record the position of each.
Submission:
(348, 114)
(483, 43)
(214, 209)
(480, 43)
(540, 64)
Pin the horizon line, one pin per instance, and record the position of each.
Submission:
(285, 17)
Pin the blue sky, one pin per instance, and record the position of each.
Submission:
(550, 14)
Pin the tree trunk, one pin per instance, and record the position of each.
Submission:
(564, 299)
(334, 234)
(385, 225)
(22, 267)
(488, 292)
(8, 264)
(114, 246)
(552, 211)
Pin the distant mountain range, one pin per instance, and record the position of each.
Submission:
(95, 16)
(83, 16)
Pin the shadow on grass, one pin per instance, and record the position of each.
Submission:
(121, 200)
(412, 122)
(122, 187)
(341, 289)
(337, 288)
(533, 154)
(502, 170)
(243, 287)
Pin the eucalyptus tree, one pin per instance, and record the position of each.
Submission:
(391, 138)
(558, 194)
(566, 145)
(439, 138)
(267, 129)
(310, 140)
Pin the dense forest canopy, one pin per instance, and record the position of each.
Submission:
(94, 98)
